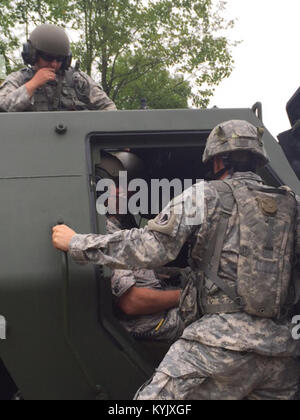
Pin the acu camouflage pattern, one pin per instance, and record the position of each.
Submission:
(236, 135)
(130, 249)
(193, 371)
(72, 91)
(219, 356)
(267, 225)
(266, 220)
(297, 232)
(166, 326)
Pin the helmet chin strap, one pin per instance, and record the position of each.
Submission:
(220, 173)
(226, 168)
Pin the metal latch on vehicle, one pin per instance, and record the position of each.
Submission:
(2, 328)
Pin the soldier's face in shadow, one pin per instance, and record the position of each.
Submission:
(118, 198)
(42, 63)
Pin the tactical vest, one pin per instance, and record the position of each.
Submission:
(267, 218)
(70, 92)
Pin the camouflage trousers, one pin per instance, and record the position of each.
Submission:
(193, 371)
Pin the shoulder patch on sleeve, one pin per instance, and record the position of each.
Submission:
(166, 223)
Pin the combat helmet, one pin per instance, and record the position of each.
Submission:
(110, 167)
(113, 163)
(234, 136)
(49, 39)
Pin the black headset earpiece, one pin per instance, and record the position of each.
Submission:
(29, 54)
(67, 62)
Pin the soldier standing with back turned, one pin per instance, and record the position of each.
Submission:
(238, 342)
(48, 83)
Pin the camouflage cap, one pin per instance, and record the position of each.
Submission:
(236, 135)
(50, 39)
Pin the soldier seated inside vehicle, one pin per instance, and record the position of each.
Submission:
(146, 301)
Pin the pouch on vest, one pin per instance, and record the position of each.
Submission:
(266, 225)
(267, 220)
(189, 308)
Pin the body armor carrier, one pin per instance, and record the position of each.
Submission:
(267, 219)
(69, 93)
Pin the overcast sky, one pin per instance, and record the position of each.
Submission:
(267, 62)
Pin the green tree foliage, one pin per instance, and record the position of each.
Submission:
(182, 35)
(8, 40)
(136, 44)
(158, 88)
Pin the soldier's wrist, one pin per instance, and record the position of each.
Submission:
(31, 87)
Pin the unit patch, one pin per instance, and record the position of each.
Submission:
(164, 223)
(268, 206)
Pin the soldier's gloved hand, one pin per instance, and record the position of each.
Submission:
(61, 237)
(41, 77)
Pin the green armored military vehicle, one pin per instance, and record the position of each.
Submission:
(59, 337)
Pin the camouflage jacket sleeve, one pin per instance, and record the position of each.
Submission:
(13, 94)
(121, 282)
(297, 239)
(97, 97)
(128, 249)
(156, 245)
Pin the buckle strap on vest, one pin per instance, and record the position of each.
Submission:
(212, 258)
(222, 308)
(229, 291)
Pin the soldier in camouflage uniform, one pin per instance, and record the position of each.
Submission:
(48, 83)
(238, 342)
(147, 305)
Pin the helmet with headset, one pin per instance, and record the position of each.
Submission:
(49, 40)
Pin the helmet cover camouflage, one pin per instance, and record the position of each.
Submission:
(236, 135)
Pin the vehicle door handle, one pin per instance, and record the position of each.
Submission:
(2, 328)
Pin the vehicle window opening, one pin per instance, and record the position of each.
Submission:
(166, 160)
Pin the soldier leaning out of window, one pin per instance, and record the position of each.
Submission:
(48, 83)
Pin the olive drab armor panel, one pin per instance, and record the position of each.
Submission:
(266, 218)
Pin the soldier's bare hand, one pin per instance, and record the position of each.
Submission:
(44, 75)
(41, 77)
(62, 236)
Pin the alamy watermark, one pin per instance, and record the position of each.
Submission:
(296, 328)
(137, 197)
